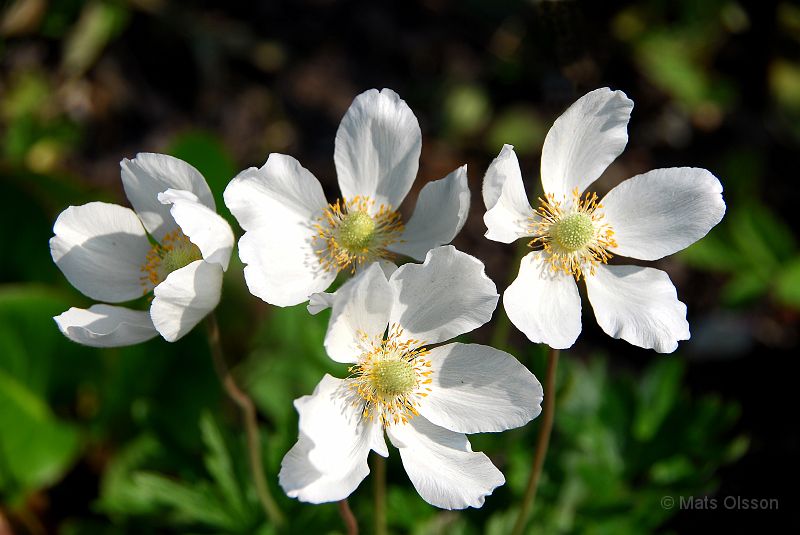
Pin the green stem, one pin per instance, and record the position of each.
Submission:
(543, 440)
(379, 488)
(348, 517)
(248, 409)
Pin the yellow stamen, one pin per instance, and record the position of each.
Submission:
(573, 235)
(391, 377)
(174, 252)
(352, 233)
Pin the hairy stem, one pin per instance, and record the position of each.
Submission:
(379, 488)
(248, 409)
(543, 440)
(348, 517)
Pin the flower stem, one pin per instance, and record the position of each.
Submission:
(379, 488)
(542, 441)
(248, 409)
(348, 517)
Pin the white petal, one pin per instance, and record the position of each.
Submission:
(282, 267)
(544, 305)
(663, 211)
(442, 208)
(361, 307)
(377, 148)
(639, 305)
(442, 466)
(448, 295)
(185, 297)
(106, 326)
(149, 174)
(508, 210)
(477, 388)
(584, 141)
(203, 226)
(317, 302)
(101, 248)
(330, 458)
(282, 192)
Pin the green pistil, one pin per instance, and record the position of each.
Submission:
(180, 256)
(356, 231)
(573, 232)
(393, 377)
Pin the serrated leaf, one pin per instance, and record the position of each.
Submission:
(188, 503)
(218, 463)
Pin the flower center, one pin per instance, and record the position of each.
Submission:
(390, 377)
(574, 231)
(351, 233)
(573, 235)
(356, 231)
(174, 252)
(393, 377)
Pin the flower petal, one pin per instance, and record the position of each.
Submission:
(377, 148)
(508, 211)
(282, 267)
(361, 307)
(317, 302)
(584, 141)
(663, 211)
(149, 174)
(442, 208)
(101, 248)
(449, 294)
(282, 192)
(203, 226)
(330, 458)
(106, 326)
(185, 297)
(477, 389)
(639, 305)
(544, 305)
(442, 466)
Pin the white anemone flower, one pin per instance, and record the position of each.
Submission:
(296, 242)
(174, 245)
(426, 397)
(646, 217)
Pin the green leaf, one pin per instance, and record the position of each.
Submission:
(658, 392)
(218, 463)
(36, 450)
(787, 285)
(188, 503)
(744, 288)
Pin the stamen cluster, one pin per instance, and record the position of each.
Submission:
(573, 233)
(174, 252)
(390, 377)
(352, 233)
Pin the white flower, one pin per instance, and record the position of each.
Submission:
(295, 242)
(425, 398)
(174, 245)
(647, 217)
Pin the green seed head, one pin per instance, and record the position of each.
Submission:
(573, 232)
(393, 377)
(180, 256)
(356, 231)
